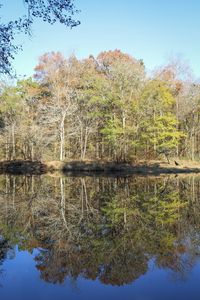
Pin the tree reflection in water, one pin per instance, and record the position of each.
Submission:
(102, 228)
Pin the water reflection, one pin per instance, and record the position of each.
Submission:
(101, 228)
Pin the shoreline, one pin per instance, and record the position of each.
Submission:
(100, 168)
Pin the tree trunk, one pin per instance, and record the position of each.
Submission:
(13, 141)
(62, 136)
(124, 136)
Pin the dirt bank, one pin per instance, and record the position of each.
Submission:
(98, 167)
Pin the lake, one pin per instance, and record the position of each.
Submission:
(99, 237)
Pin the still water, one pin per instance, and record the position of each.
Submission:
(99, 238)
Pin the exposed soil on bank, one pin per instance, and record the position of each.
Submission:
(99, 167)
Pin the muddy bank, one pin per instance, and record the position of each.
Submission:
(126, 169)
(23, 167)
(77, 168)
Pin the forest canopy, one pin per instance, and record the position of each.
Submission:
(103, 107)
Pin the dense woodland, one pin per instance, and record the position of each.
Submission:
(103, 107)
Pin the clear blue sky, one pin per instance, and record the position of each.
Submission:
(151, 30)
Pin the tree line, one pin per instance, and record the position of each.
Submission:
(103, 107)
